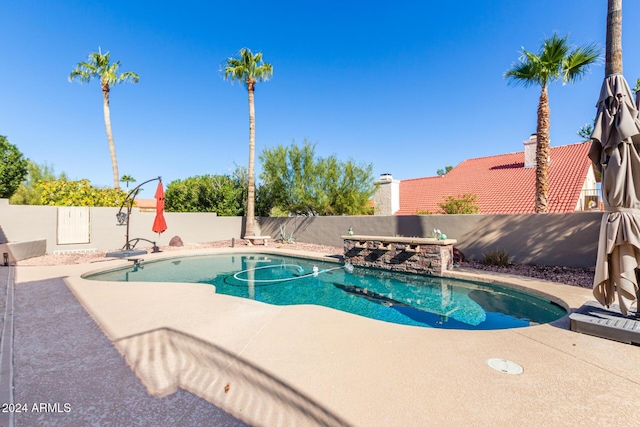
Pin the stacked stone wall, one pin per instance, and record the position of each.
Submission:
(432, 259)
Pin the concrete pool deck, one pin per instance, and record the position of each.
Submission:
(220, 360)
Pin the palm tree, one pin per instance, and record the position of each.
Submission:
(613, 55)
(98, 66)
(249, 69)
(556, 59)
(127, 179)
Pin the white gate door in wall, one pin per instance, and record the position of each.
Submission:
(73, 225)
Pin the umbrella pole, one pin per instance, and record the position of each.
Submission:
(128, 202)
(127, 246)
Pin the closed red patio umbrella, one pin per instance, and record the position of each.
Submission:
(159, 224)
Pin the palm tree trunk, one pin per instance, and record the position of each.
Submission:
(250, 228)
(613, 62)
(112, 147)
(542, 153)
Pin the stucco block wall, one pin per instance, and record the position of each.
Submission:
(569, 240)
(22, 250)
(20, 223)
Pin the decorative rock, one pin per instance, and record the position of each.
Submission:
(176, 241)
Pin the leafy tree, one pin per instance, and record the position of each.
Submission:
(555, 60)
(264, 201)
(263, 195)
(446, 170)
(30, 190)
(13, 168)
(637, 88)
(462, 204)
(222, 194)
(249, 69)
(79, 193)
(305, 185)
(99, 66)
(127, 179)
(586, 131)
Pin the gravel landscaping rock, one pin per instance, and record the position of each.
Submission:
(582, 277)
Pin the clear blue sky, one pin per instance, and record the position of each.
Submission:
(409, 86)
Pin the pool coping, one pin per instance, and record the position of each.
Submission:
(331, 355)
(464, 275)
(541, 288)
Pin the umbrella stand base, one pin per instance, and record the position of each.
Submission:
(594, 319)
(125, 253)
(131, 245)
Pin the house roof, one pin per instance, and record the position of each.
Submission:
(145, 204)
(502, 183)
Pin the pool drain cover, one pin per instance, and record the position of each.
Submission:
(506, 366)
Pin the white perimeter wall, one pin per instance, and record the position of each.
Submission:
(20, 223)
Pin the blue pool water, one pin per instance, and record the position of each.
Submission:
(408, 299)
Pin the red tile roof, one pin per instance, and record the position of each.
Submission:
(502, 183)
(146, 204)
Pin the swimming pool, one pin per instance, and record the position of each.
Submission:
(407, 299)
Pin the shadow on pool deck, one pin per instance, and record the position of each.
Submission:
(371, 373)
(219, 376)
(61, 356)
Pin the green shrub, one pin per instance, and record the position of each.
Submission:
(223, 194)
(462, 204)
(426, 213)
(30, 190)
(498, 257)
(78, 193)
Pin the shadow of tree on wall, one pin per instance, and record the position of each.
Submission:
(293, 226)
(166, 359)
(544, 239)
(409, 226)
(326, 230)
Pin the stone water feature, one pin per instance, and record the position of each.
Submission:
(405, 254)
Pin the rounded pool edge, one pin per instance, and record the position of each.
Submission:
(117, 263)
(568, 297)
(552, 292)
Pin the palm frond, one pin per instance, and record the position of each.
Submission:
(553, 51)
(129, 76)
(98, 65)
(552, 62)
(577, 62)
(247, 67)
(525, 72)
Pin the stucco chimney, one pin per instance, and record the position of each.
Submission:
(530, 151)
(386, 199)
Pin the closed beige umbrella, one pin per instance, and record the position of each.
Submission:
(615, 152)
